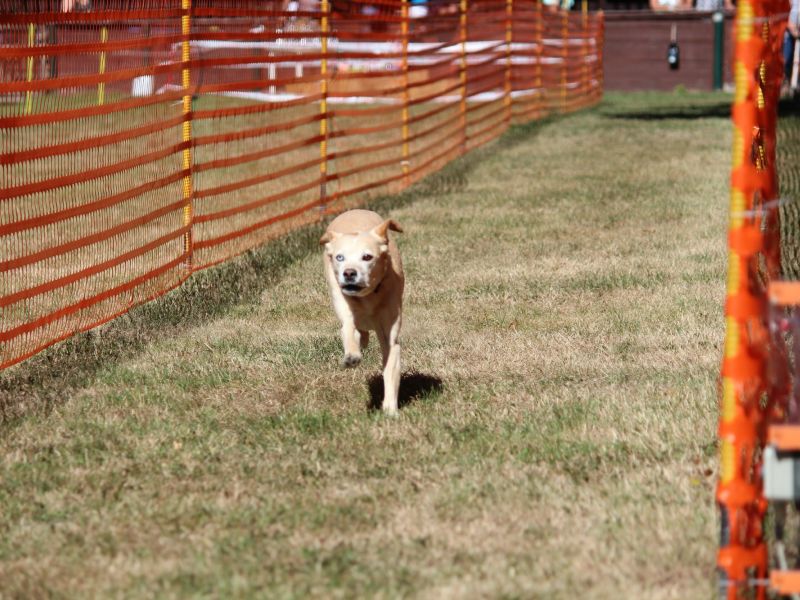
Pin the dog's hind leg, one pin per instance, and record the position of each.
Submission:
(364, 339)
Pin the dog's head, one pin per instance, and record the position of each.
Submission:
(359, 260)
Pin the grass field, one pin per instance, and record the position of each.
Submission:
(561, 344)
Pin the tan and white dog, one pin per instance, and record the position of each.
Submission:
(365, 277)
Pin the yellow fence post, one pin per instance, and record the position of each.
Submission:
(404, 32)
(101, 87)
(585, 45)
(188, 212)
(509, 35)
(29, 70)
(564, 40)
(539, 51)
(463, 72)
(323, 107)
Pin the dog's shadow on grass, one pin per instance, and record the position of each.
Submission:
(413, 387)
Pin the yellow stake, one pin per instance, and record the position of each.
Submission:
(29, 94)
(564, 34)
(404, 32)
(585, 45)
(463, 105)
(323, 108)
(188, 209)
(101, 87)
(509, 33)
(539, 51)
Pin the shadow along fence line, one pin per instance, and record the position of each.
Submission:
(142, 141)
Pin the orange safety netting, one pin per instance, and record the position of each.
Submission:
(143, 140)
(755, 363)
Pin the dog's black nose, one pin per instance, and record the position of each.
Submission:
(349, 274)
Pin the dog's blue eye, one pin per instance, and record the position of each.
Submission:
(339, 257)
(367, 257)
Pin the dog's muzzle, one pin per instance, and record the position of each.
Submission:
(350, 283)
(352, 289)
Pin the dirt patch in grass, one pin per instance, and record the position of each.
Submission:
(561, 344)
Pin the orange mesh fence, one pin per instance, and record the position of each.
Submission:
(755, 381)
(92, 204)
(143, 140)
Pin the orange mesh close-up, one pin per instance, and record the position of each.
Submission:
(756, 362)
(144, 140)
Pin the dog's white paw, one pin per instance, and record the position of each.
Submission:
(351, 360)
(390, 411)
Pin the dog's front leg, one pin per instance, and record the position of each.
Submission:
(351, 341)
(351, 337)
(390, 346)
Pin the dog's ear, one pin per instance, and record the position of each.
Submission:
(328, 237)
(381, 230)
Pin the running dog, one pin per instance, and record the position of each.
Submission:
(365, 277)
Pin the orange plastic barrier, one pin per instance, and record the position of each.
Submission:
(141, 141)
(754, 367)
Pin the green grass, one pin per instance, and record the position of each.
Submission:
(561, 343)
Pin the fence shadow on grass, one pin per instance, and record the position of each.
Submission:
(413, 386)
(53, 376)
(686, 113)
